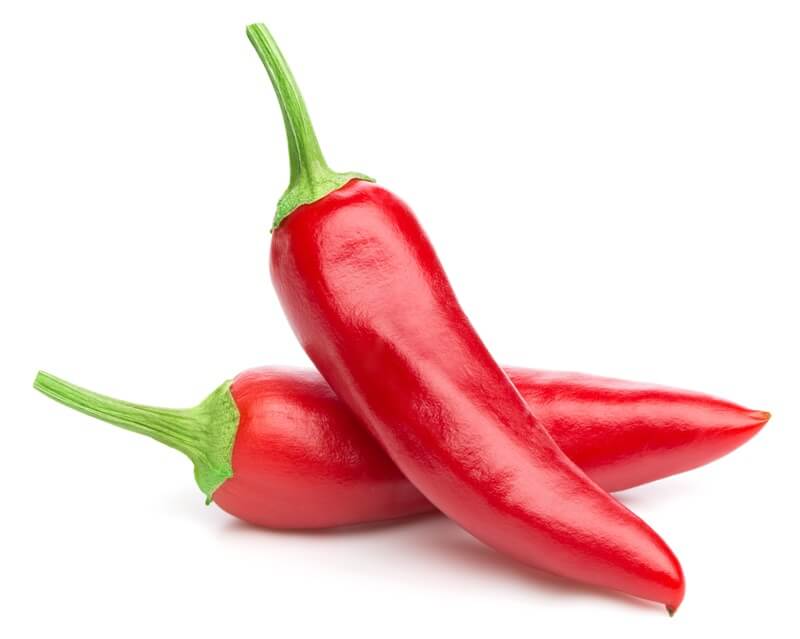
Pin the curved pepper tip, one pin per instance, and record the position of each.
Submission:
(759, 420)
(762, 416)
(671, 610)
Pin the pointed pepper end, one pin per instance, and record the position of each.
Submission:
(761, 416)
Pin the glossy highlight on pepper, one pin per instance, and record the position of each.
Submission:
(370, 303)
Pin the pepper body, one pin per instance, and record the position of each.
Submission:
(302, 460)
(372, 307)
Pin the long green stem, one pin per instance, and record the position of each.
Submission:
(310, 177)
(205, 433)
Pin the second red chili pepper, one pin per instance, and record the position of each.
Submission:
(277, 448)
(371, 305)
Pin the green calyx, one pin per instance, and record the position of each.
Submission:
(310, 178)
(205, 433)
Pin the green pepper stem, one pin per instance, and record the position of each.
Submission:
(310, 177)
(205, 433)
(305, 156)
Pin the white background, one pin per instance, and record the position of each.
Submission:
(612, 187)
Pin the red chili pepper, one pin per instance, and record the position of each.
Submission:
(372, 307)
(277, 448)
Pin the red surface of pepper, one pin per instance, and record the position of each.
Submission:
(370, 304)
(301, 460)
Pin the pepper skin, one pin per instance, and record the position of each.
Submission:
(301, 460)
(371, 305)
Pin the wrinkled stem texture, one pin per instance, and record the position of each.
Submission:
(310, 177)
(205, 433)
